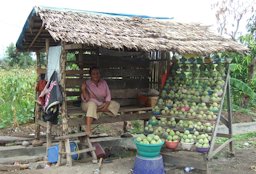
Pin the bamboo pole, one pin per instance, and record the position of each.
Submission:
(37, 112)
(229, 105)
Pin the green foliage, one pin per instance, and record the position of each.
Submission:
(72, 57)
(137, 127)
(15, 58)
(17, 96)
(240, 139)
(242, 88)
(243, 81)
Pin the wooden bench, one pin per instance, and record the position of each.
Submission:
(129, 109)
(125, 114)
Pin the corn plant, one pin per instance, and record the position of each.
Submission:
(17, 96)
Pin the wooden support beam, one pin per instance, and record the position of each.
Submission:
(63, 60)
(213, 138)
(47, 45)
(76, 47)
(218, 149)
(94, 157)
(61, 144)
(81, 134)
(68, 151)
(38, 63)
(224, 120)
(39, 32)
(230, 117)
(83, 151)
(224, 135)
(37, 107)
(109, 119)
(48, 135)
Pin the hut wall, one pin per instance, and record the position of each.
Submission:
(126, 73)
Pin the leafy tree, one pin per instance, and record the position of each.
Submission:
(14, 58)
(230, 14)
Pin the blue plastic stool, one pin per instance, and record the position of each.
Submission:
(144, 165)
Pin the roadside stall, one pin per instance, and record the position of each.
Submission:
(133, 53)
(189, 112)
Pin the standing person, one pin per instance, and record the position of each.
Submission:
(96, 98)
(39, 88)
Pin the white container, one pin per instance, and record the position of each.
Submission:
(186, 146)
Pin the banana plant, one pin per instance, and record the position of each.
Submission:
(243, 88)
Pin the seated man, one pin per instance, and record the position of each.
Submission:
(96, 98)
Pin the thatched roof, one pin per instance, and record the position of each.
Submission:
(122, 33)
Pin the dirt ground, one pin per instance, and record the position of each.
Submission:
(239, 164)
(245, 155)
(27, 130)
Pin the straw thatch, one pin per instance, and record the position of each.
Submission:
(133, 33)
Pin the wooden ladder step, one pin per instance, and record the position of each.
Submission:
(81, 134)
(80, 151)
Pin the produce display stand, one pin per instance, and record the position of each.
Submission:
(192, 100)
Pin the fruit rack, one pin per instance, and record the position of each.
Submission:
(189, 108)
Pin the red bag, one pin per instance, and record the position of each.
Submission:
(100, 152)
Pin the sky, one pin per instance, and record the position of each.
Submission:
(13, 13)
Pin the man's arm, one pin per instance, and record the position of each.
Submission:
(84, 94)
(107, 99)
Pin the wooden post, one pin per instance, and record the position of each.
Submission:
(47, 44)
(63, 60)
(48, 135)
(94, 157)
(68, 151)
(60, 152)
(49, 125)
(37, 112)
(229, 105)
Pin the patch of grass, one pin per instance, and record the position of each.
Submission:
(241, 141)
(240, 137)
(250, 111)
(102, 128)
(137, 127)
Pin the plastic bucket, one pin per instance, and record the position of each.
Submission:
(54, 150)
(148, 150)
(144, 165)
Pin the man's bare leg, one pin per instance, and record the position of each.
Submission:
(88, 125)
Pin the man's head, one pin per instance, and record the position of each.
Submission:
(94, 73)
